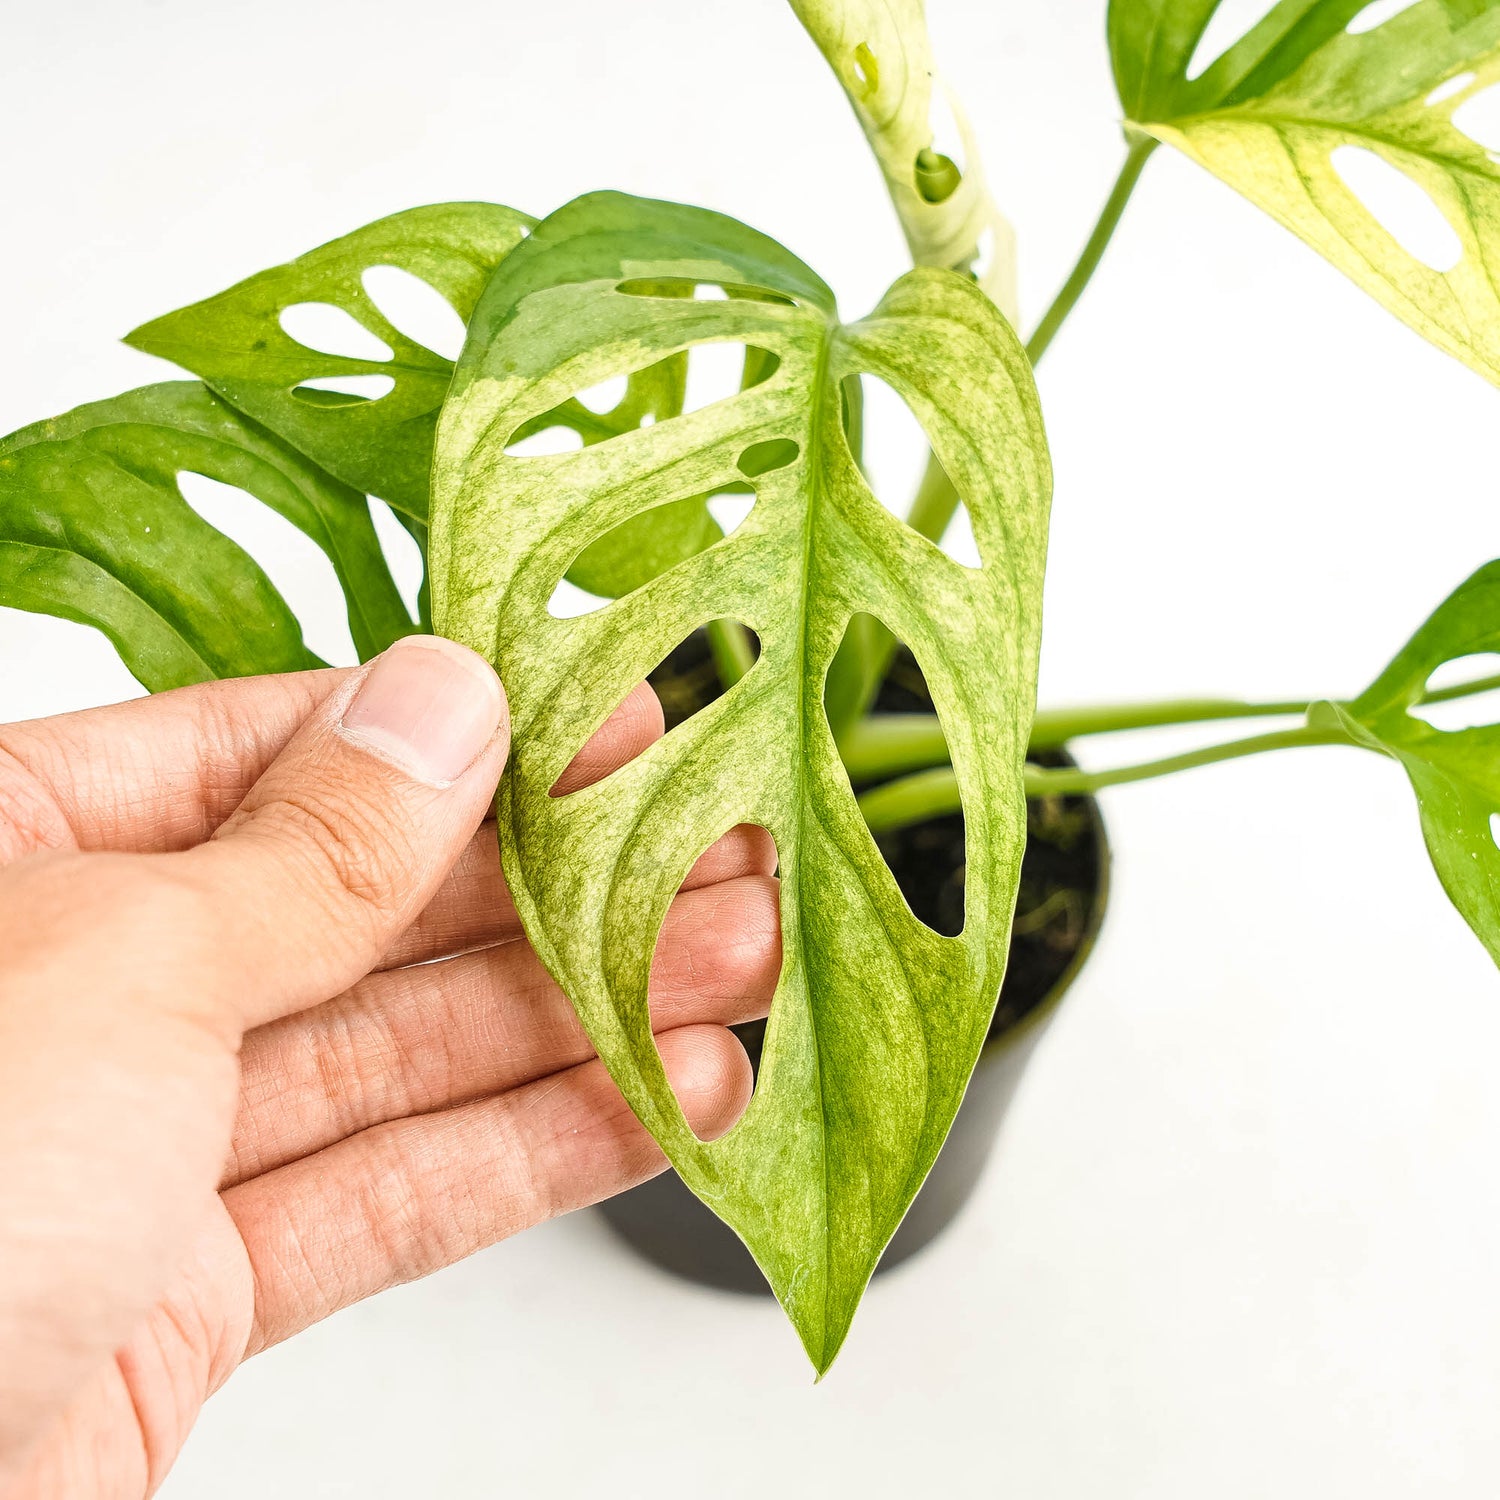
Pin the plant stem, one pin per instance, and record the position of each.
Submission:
(1056, 726)
(733, 654)
(1093, 252)
(934, 793)
(890, 744)
(893, 744)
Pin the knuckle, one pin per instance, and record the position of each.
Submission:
(351, 856)
(30, 818)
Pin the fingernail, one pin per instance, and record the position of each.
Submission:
(430, 706)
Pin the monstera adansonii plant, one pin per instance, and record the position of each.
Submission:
(513, 475)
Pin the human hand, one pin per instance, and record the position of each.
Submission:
(236, 1091)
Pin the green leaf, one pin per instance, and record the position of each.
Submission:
(1269, 115)
(93, 527)
(235, 342)
(877, 1020)
(1455, 773)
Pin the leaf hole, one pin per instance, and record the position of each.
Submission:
(1400, 206)
(767, 457)
(1446, 91)
(730, 511)
(896, 449)
(327, 329)
(1232, 20)
(547, 443)
(630, 555)
(1377, 14)
(298, 568)
(403, 554)
(718, 953)
(686, 681)
(416, 309)
(605, 396)
(926, 859)
(1495, 829)
(947, 135)
(719, 371)
(344, 390)
(1474, 712)
(1479, 117)
(680, 287)
(866, 69)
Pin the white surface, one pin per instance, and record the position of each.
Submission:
(1240, 1236)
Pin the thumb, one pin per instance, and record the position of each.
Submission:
(352, 829)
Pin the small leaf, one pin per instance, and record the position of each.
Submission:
(369, 420)
(237, 343)
(1455, 774)
(94, 527)
(1287, 114)
(877, 1020)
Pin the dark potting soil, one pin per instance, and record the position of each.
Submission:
(1061, 872)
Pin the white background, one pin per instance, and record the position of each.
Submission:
(1241, 1233)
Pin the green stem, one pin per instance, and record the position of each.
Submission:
(1056, 726)
(934, 793)
(884, 745)
(733, 654)
(890, 744)
(1093, 252)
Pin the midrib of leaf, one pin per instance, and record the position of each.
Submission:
(820, 414)
(1278, 120)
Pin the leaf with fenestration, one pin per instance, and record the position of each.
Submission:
(94, 528)
(235, 342)
(1455, 772)
(378, 437)
(881, 53)
(1292, 114)
(877, 1020)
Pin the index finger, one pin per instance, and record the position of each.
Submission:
(160, 774)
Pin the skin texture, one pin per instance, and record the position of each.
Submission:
(229, 1104)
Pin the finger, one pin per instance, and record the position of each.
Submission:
(162, 773)
(152, 775)
(474, 908)
(350, 832)
(405, 1199)
(416, 1040)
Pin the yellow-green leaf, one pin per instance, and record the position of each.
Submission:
(1276, 113)
(1454, 772)
(877, 1019)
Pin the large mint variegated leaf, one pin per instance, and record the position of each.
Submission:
(93, 527)
(877, 1020)
(1455, 773)
(1276, 114)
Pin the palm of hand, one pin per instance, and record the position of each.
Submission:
(431, 1094)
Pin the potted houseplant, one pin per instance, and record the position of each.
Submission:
(513, 469)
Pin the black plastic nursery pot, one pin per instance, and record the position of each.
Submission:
(1064, 890)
